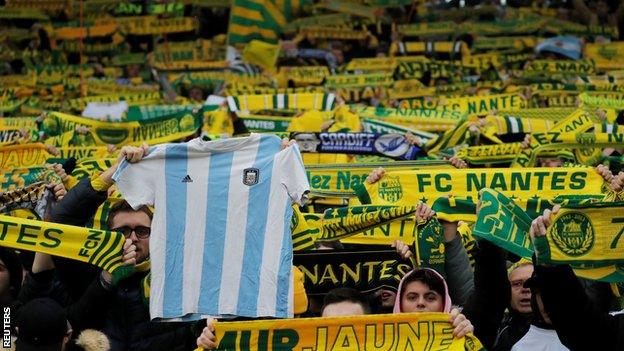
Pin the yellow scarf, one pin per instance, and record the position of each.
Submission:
(100, 248)
(427, 186)
(341, 179)
(28, 155)
(153, 131)
(588, 233)
(282, 101)
(580, 120)
(401, 331)
(581, 235)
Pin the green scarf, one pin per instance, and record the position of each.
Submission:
(581, 235)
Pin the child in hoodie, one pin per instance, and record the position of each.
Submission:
(425, 290)
(485, 303)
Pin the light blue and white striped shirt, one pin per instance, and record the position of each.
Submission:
(221, 241)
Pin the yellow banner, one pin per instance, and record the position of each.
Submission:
(191, 78)
(20, 156)
(359, 94)
(349, 80)
(261, 54)
(485, 61)
(83, 152)
(74, 46)
(153, 131)
(18, 80)
(341, 179)
(9, 135)
(385, 234)
(373, 64)
(333, 33)
(148, 25)
(586, 142)
(457, 47)
(69, 33)
(236, 88)
(100, 248)
(88, 166)
(440, 119)
(562, 66)
(197, 50)
(302, 74)
(591, 234)
(483, 104)
(409, 187)
(578, 121)
(404, 331)
(488, 153)
(606, 56)
(79, 104)
(337, 226)
(593, 101)
(190, 65)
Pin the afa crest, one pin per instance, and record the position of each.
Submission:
(251, 176)
(573, 233)
(390, 189)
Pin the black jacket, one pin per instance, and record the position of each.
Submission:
(123, 315)
(514, 326)
(119, 312)
(486, 305)
(579, 323)
(77, 207)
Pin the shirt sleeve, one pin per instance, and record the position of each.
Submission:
(293, 175)
(135, 182)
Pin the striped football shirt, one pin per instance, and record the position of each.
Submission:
(221, 241)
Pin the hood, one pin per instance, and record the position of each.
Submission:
(447, 297)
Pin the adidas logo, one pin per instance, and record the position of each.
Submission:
(187, 179)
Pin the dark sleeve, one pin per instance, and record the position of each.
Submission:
(507, 338)
(486, 306)
(459, 276)
(90, 310)
(79, 204)
(512, 329)
(43, 284)
(87, 312)
(574, 316)
(76, 208)
(239, 127)
(600, 294)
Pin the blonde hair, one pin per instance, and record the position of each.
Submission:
(93, 340)
(521, 263)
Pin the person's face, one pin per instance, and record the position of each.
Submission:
(387, 298)
(134, 220)
(5, 279)
(551, 162)
(417, 297)
(344, 308)
(520, 296)
(196, 94)
(307, 142)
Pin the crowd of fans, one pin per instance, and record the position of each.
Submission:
(508, 303)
